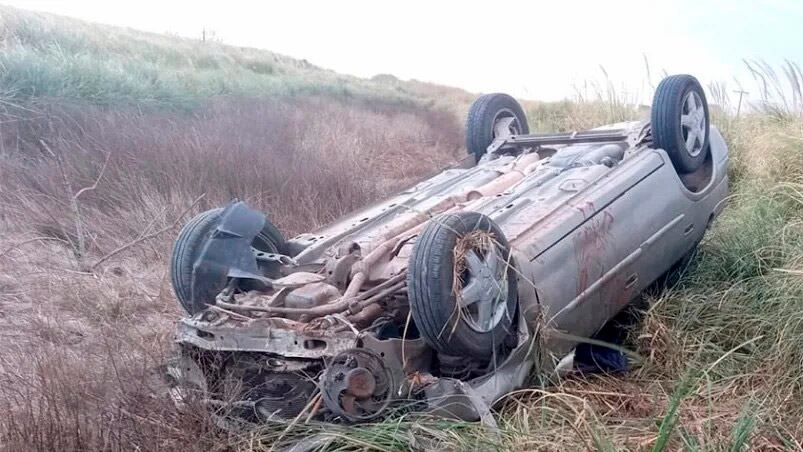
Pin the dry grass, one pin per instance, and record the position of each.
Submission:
(303, 161)
(475, 241)
(721, 365)
(81, 369)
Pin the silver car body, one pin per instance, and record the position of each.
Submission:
(591, 223)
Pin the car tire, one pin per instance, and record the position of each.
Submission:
(433, 301)
(483, 115)
(190, 243)
(680, 122)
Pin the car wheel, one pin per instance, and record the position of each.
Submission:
(492, 116)
(190, 243)
(680, 121)
(461, 285)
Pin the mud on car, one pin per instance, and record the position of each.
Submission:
(458, 290)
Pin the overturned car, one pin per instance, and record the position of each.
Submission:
(456, 291)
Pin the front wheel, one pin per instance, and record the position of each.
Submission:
(461, 285)
(189, 245)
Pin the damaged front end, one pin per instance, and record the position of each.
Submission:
(326, 332)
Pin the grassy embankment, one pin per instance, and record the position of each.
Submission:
(86, 311)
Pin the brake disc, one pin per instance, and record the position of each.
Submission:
(357, 385)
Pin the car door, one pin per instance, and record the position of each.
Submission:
(604, 260)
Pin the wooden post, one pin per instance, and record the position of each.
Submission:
(739, 106)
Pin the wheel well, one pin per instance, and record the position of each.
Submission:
(698, 179)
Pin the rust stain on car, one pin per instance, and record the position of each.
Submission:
(590, 246)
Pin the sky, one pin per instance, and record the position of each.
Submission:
(532, 49)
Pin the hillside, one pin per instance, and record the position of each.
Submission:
(51, 56)
(111, 139)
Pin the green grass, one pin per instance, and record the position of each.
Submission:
(50, 56)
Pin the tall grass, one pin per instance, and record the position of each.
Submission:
(594, 104)
(780, 96)
(733, 320)
(81, 370)
(305, 162)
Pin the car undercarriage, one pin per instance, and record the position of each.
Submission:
(456, 291)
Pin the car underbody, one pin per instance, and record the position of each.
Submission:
(452, 293)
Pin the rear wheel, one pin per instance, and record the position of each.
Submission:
(190, 243)
(493, 116)
(461, 286)
(680, 121)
